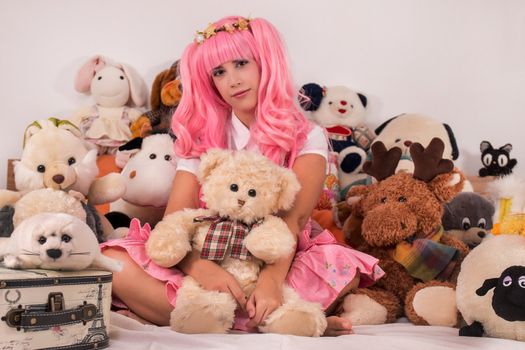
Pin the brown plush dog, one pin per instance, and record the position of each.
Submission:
(166, 93)
(398, 220)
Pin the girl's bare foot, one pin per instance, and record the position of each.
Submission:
(337, 326)
(132, 315)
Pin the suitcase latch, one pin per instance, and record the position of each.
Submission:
(55, 302)
(43, 316)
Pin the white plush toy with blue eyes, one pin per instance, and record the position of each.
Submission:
(54, 241)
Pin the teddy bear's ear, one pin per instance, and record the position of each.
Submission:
(310, 96)
(31, 130)
(67, 125)
(289, 188)
(210, 160)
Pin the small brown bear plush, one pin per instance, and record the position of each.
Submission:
(398, 220)
(166, 93)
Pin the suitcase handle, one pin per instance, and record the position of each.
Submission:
(44, 316)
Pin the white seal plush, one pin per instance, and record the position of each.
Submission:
(54, 241)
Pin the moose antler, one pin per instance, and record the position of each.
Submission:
(428, 162)
(383, 163)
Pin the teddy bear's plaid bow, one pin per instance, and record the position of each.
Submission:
(223, 233)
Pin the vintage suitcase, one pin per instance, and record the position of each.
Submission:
(42, 309)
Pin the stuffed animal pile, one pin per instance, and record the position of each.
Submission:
(240, 232)
(398, 220)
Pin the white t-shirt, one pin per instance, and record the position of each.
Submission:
(239, 136)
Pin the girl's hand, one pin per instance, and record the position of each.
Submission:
(267, 296)
(212, 277)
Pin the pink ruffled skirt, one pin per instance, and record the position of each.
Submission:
(322, 267)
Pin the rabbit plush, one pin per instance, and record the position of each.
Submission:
(117, 89)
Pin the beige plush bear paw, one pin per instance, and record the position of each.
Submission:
(433, 305)
(296, 317)
(164, 250)
(270, 240)
(360, 309)
(202, 311)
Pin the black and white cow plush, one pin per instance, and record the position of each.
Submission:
(149, 174)
(496, 161)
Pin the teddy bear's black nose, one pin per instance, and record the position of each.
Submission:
(54, 253)
(481, 234)
(58, 179)
(241, 202)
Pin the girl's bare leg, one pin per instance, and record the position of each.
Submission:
(144, 295)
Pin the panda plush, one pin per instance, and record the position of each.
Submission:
(341, 111)
(496, 161)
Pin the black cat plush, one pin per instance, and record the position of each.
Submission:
(496, 161)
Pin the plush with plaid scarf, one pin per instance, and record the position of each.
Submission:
(225, 233)
(426, 258)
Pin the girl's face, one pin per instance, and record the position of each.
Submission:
(237, 82)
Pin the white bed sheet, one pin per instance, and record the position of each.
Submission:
(128, 334)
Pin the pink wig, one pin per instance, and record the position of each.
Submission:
(200, 120)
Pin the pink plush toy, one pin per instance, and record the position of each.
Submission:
(117, 89)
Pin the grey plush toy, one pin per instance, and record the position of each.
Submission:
(468, 217)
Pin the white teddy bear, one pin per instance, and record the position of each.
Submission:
(243, 191)
(54, 156)
(342, 112)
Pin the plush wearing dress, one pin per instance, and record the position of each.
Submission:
(322, 267)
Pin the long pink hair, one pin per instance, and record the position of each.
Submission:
(200, 121)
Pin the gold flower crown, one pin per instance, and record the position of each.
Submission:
(211, 30)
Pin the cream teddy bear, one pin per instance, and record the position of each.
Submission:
(242, 191)
(55, 156)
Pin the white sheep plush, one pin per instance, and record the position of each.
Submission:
(490, 291)
(54, 241)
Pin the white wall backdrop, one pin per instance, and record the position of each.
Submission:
(459, 61)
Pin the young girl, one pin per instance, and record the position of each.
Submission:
(238, 94)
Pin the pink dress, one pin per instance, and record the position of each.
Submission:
(322, 267)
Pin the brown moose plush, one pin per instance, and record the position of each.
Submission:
(398, 220)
